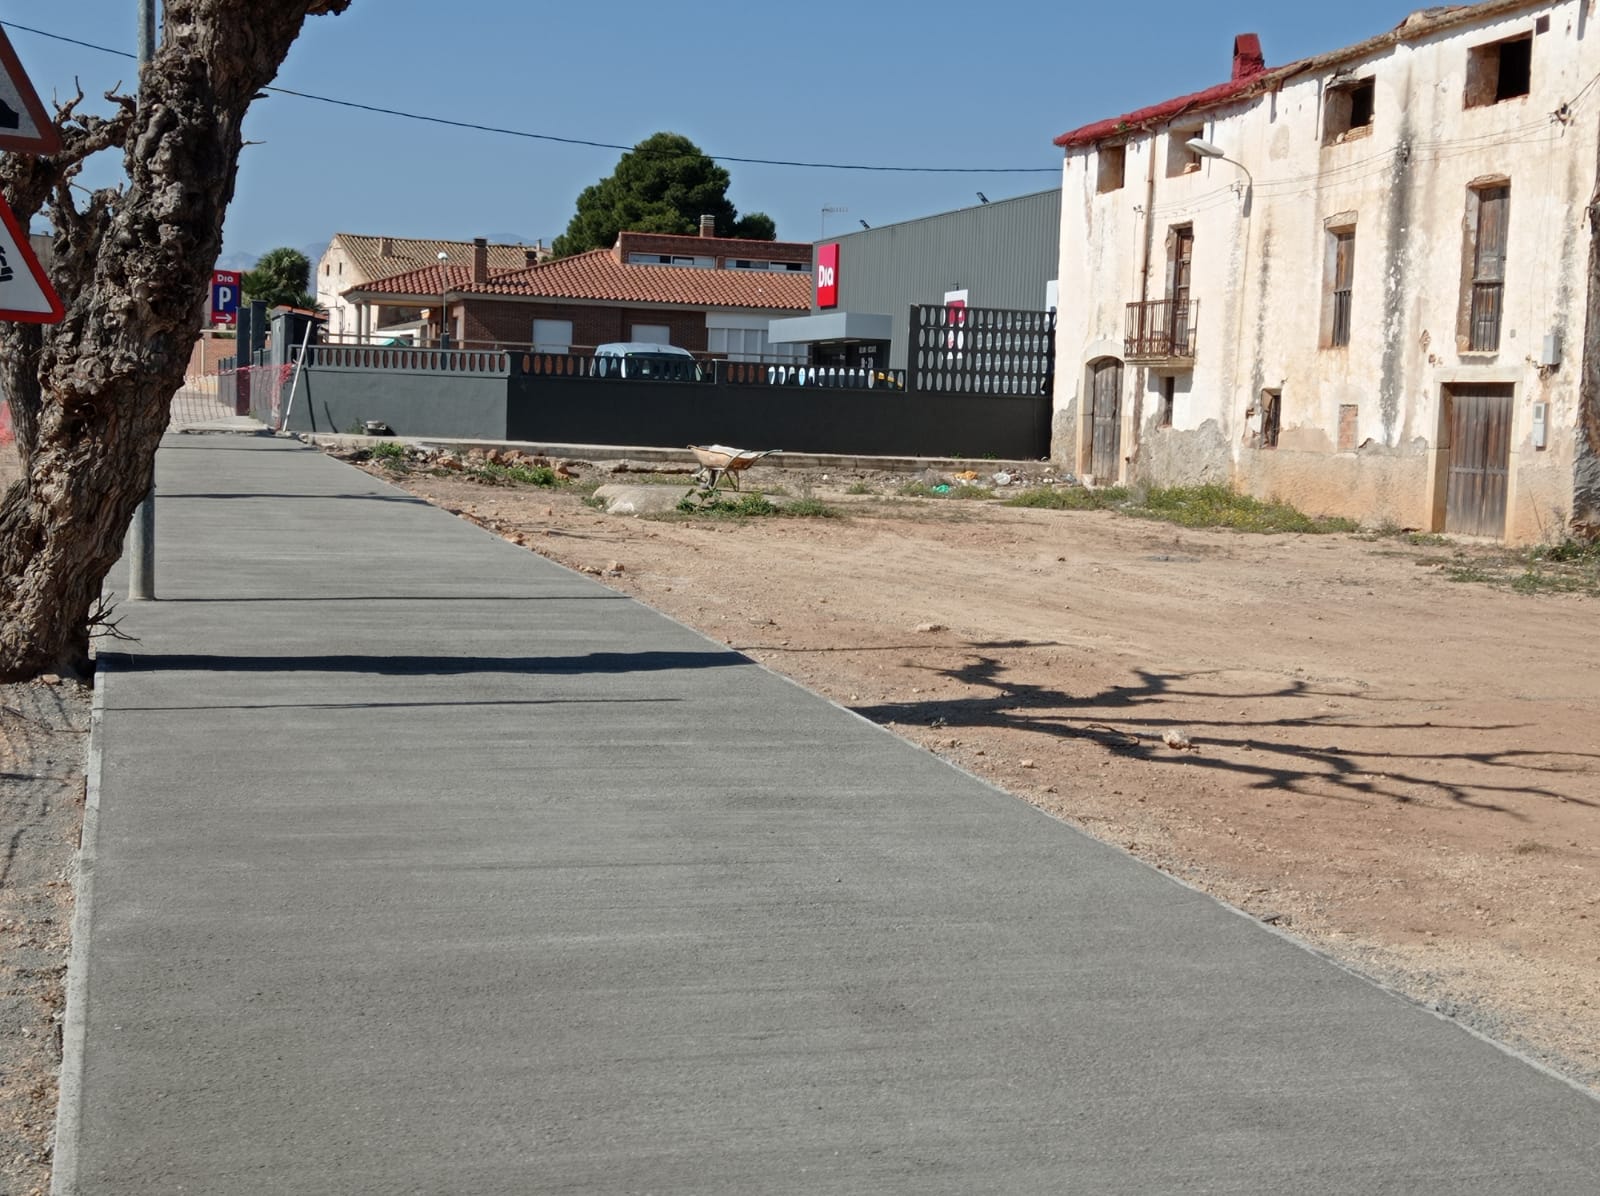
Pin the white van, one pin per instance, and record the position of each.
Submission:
(641, 359)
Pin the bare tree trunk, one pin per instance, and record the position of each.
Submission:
(90, 396)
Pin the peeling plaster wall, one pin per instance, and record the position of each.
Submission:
(1261, 277)
(1186, 457)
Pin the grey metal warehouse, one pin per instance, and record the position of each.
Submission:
(1003, 254)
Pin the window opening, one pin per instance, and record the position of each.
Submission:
(1112, 161)
(1347, 111)
(1271, 403)
(1178, 285)
(1343, 249)
(1169, 392)
(1180, 158)
(1499, 71)
(1487, 298)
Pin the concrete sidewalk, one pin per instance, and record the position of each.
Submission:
(419, 864)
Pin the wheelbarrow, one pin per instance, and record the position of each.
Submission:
(721, 466)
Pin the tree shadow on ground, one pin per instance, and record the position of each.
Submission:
(1142, 713)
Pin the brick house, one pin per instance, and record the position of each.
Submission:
(708, 294)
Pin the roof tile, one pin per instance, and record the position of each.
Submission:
(598, 275)
(368, 261)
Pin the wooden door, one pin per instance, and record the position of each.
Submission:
(1480, 459)
(1177, 323)
(1105, 454)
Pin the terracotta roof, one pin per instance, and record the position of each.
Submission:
(426, 283)
(598, 275)
(368, 261)
(1255, 78)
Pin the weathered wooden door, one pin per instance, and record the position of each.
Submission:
(1105, 453)
(1480, 459)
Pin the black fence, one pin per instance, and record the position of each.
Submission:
(880, 421)
(982, 350)
(994, 401)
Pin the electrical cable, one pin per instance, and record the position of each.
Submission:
(579, 141)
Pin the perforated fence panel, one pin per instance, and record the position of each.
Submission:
(981, 350)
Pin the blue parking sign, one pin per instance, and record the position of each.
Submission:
(225, 286)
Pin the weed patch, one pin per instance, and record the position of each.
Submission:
(944, 490)
(1218, 506)
(526, 475)
(751, 506)
(1070, 498)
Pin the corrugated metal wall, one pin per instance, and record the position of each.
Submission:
(1003, 253)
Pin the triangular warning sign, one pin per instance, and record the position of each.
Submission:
(24, 125)
(26, 296)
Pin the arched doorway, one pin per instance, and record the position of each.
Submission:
(1105, 419)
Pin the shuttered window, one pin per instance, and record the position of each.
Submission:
(1487, 299)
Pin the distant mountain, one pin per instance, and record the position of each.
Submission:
(507, 238)
(234, 259)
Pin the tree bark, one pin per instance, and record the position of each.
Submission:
(90, 396)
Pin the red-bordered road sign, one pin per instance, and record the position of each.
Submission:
(25, 127)
(26, 296)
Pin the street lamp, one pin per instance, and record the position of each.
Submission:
(444, 289)
(1207, 150)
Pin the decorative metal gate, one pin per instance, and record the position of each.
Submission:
(1480, 458)
(1105, 452)
(982, 350)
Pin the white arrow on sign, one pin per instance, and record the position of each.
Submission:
(26, 296)
(25, 126)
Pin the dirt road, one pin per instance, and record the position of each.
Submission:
(1399, 768)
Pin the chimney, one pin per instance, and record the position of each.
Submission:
(530, 255)
(1247, 60)
(386, 247)
(480, 259)
(708, 226)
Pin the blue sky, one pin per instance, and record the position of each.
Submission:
(907, 84)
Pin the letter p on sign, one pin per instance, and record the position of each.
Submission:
(224, 297)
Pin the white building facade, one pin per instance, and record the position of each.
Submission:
(1356, 283)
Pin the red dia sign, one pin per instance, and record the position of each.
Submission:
(828, 275)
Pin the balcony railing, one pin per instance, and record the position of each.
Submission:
(1161, 330)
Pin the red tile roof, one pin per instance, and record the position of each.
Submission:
(598, 275)
(1250, 76)
(429, 282)
(369, 261)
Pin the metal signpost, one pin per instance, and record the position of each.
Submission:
(142, 533)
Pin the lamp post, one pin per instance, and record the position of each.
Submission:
(142, 532)
(444, 290)
(1207, 150)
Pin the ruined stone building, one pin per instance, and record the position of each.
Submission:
(1357, 282)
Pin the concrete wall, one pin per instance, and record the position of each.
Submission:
(1002, 253)
(1260, 265)
(413, 403)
